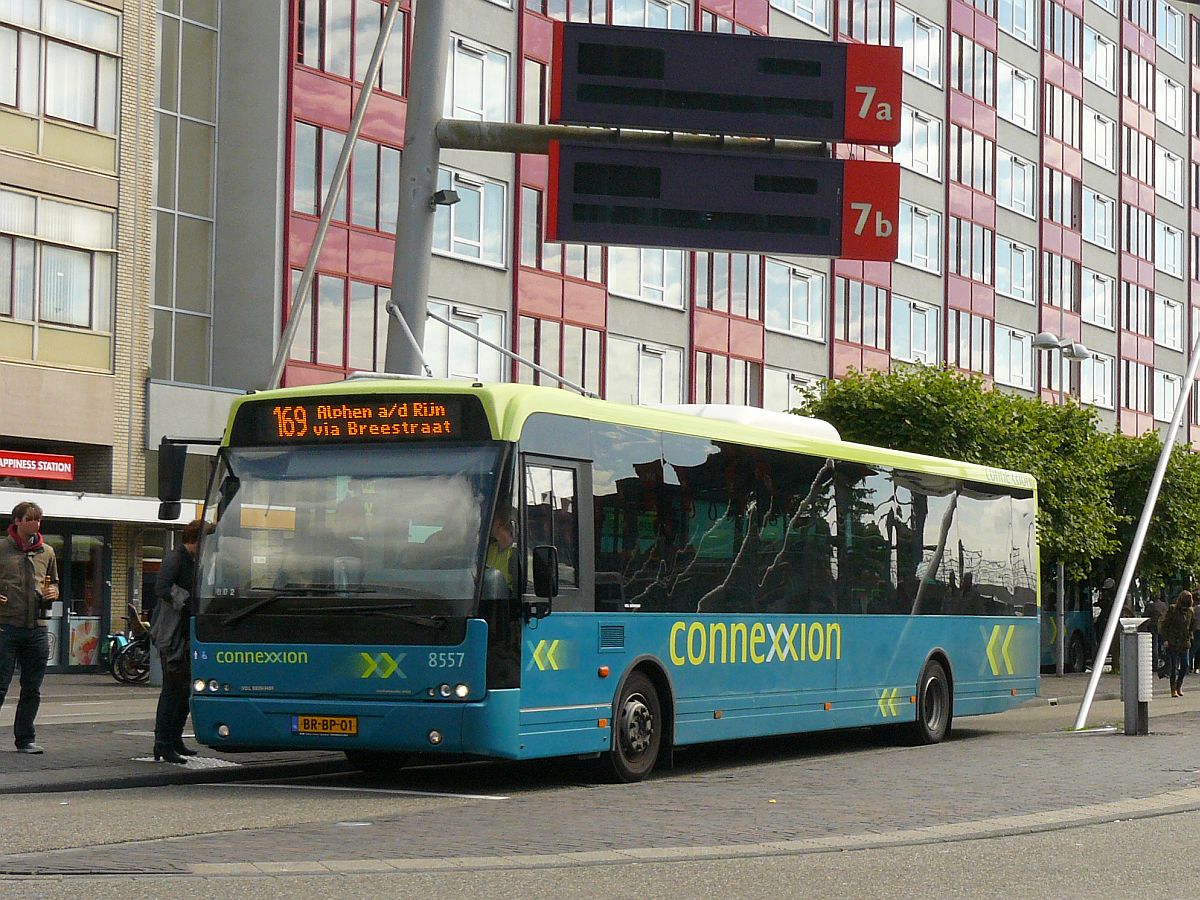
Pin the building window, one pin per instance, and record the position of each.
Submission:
(60, 61)
(920, 148)
(570, 350)
(1168, 175)
(584, 261)
(1166, 395)
(970, 252)
(920, 238)
(1096, 380)
(452, 354)
(784, 391)
(1064, 115)
(1060, 281)
(1136, 306)
(1137, 78)
(586, 11)
(971, 159)
(642, 373)
(729, 283)
(867, 21)
(1014, 357)
(476, 82)
(1016, 17)
(795, 300)
(914, 331)
(860, 313)
(1014, 269)
(315, 153)
(1168, 323)
(1135, 386)
(1061, 198)
(1137, 158)
(1170, 28)
(1016, 97)
(1099, 218)
(647, 274)
(1099, 139)
(725, 379)
(1096, 298)
(922, 43)
(673, 14)
(1099, 60)
(1015, 183)
(968, 341)
(1168, 249)
(57, 262)
(972, 69)
(473, 228)
(1062, 33)
(1138, 233)
(534, 88)
(374, 186)
(1168, 107)
(1109, 5)
(814, 12)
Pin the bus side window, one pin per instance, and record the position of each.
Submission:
(550, 518)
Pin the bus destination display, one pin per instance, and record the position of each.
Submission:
(365, 419)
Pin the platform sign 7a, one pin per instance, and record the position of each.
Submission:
(749, 85)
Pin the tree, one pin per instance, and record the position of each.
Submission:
(943, 413)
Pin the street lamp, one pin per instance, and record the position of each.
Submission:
(1048, 341)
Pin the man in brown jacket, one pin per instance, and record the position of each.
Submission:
(28, 584)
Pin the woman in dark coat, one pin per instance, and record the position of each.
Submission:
(170, 628)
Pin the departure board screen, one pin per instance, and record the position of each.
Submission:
(362, 418)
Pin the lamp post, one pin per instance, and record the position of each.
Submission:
(1068, 350)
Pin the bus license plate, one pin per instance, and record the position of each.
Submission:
(336, 725)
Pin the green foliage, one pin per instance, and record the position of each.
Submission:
(943, 413)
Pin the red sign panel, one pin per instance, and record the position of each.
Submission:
(15, 464)
(874, 77)
(870, 210)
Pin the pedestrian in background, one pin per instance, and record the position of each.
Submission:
(1175, 629)
(170, 628)
(1195, 649)
(28, 585)
(1155, 610)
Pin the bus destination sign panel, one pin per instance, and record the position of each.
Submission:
(373, 418)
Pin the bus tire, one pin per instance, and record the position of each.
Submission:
(1076, 659)
(376, 762)
(637, 730)
(934, 705)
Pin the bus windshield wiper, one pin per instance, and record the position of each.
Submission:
(290, 590)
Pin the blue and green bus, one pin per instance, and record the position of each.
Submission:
(402, 566)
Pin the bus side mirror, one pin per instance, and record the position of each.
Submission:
(172, 457)
(545, 581)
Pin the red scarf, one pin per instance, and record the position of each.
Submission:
(34, 543)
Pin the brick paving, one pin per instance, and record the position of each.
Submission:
(780, 795)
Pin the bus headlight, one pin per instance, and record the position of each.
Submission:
(214, 685)
(198, 685)
(445, 690)
(461, 691)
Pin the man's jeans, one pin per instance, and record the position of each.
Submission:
(29, 646)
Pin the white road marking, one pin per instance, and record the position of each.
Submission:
(89, 703)
(352, 790)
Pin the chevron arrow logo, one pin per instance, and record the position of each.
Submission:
(545, 656)
(887, 702)
(995, 643)
(382, 665)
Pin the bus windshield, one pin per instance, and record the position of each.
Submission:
(312, 530)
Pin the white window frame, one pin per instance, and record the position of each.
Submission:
(492, 83)
(1168, 249)
(627, 12)
(444, 346)
(1099, 219)
(1168, 322)
(921, 318)
(1092, 285)
(666, 357)
(1168, 174)
(1022, 174)
(1099, 139)
(811, 12)
(1100, 65)
(808, 297)
(929, 257)
(1166, 394)
(1016, 96)
(492, 201)
(1006, 251)
(1170, 28)
(923, 54)
(1019, 18)
(1168, 101)
(1012, 345)
(1096, 380)
(648, 259)
(913, 123)
(796, 386)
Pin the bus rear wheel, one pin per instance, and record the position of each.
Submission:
(934, 705)
(376, 762)
(637, 730)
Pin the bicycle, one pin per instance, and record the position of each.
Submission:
(131, 663)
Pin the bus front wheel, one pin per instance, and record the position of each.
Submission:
(934, 705)
(637, 730)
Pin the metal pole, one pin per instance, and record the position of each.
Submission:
(335, 191)
(394, 310)
(1061, 618)
(418, 182)
(1135, 550)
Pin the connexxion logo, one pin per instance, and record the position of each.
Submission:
(719, 643)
